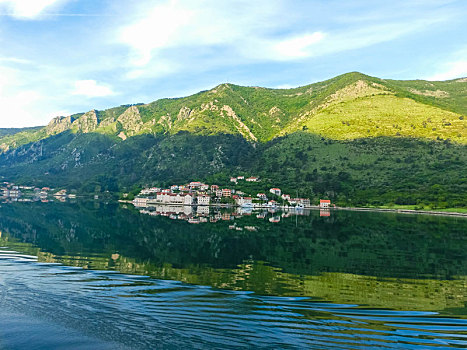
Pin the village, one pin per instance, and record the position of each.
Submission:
(10, 192)
(197, 193)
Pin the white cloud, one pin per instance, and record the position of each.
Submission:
(186, 35)
(297, 47)
(90, 88)
(194, 24)
(27, 9)
(452, 70)
(18, 105)
(14, 60)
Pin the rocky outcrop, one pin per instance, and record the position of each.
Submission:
(87, 122)
(184, 113)
(432, 93)
(131, 121)
(239, 125)
(58, 125)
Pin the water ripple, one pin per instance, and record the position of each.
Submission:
(55, 306)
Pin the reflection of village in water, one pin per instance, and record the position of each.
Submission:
(204, 214)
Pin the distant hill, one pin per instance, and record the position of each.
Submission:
(353, 136)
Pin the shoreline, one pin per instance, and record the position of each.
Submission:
(383, 210)
(405, 211)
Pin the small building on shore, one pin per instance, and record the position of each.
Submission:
(203, 200)
(140, 201)
(324, 203)
(226, 192)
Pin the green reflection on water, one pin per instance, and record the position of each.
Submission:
(381, 260)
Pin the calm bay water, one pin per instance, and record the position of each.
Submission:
(90, 275)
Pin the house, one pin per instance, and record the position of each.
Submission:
(61, 193)
(286, 197)
(147, 191)
(203, 200)
(226, 192)
(272, 203)
(188, 199)
(140, 202)
(15, 193)
(174, 188)
(262, 196)
(240, 177)
(204, 187)
(324, 203)
(194, 184)
(233, 179)
(252, 179)
(276, 191)
(214, 188)
(305, 202)
(243, 201)
(218, 193)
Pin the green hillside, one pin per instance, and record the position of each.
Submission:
(349, 106)
(354, 138)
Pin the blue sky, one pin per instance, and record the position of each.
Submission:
(59, 57)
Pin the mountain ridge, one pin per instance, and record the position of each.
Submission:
(356, 139)
(261, 114)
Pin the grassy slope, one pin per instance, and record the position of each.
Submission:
(387, 115)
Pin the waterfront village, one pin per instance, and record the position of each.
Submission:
(192, 202)
(200, 194)
(9, 192)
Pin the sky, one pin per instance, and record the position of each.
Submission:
(59, 57)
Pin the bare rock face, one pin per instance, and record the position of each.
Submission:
(239, 125)
(131, 121)
(58, 125)
(184, 113)
(87, 122)
(107, 122)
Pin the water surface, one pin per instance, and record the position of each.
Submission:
(90, 275)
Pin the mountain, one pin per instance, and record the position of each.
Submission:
(352, 138)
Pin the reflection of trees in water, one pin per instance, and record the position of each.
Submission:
(375, 244)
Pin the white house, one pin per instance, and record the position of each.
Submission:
(244, 201)
(140, 202)
(276, 191)
(188, 199)
(203, 200)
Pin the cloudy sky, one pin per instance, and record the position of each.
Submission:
(59, 57)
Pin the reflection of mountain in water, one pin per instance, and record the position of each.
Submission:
(374, 244)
